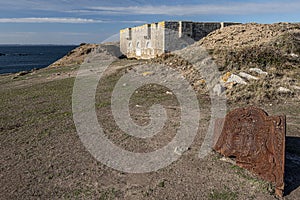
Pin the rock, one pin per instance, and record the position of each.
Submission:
(247, 76)
(296, 87)
(180, 150)
(218, 89)
(284, 90)
(22, 73)
(199, 83)
(228, 160)
(226, 77)
(229, 85)
(202, 81)
(170, 93)
(294, 55)
(230, 79)
(236, 79)
(147, 73)
(259, 71)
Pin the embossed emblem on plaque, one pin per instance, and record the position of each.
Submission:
(256, 141)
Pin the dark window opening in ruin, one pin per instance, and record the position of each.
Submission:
(148, 44)
(148, 31)
(138, 45)
(129, 34)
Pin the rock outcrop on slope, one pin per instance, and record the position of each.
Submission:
(258, 62)
(78, 55)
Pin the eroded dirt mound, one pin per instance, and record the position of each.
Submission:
(185, 68)
(272, 48)
(245, 35)
(254, 44)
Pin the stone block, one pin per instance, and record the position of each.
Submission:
(247, 76)
(258, 71)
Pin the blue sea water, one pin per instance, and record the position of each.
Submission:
(16, 58)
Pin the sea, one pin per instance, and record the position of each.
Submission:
(16, 58)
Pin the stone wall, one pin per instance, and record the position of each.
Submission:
(143, 41)
(154, 39)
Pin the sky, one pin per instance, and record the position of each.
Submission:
(95, 21)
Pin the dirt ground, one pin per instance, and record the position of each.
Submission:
(42, 156)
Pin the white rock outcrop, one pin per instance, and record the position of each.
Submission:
(259, 71)
(284, 90)
(247, 76)
(236, 79)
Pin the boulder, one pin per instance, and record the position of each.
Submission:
(259, 71)
(296, 87)
(236, 79)
(284, 90)
(218, 89)
(247, 76)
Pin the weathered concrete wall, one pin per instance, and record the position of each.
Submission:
(151, 40)
(143, 42)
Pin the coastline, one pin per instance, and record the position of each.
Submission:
(18, 58)
(42, 154)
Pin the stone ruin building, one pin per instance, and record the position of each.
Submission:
(150, 40)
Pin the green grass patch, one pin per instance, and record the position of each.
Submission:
(102, 104)
(225, 194)
(263, 186)
(161, 184)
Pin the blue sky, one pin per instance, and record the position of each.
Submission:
(92, 21)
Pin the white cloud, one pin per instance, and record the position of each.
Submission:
(48, 20)
(210, 9)
(60, 20)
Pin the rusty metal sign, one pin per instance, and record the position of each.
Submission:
(256, 141)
